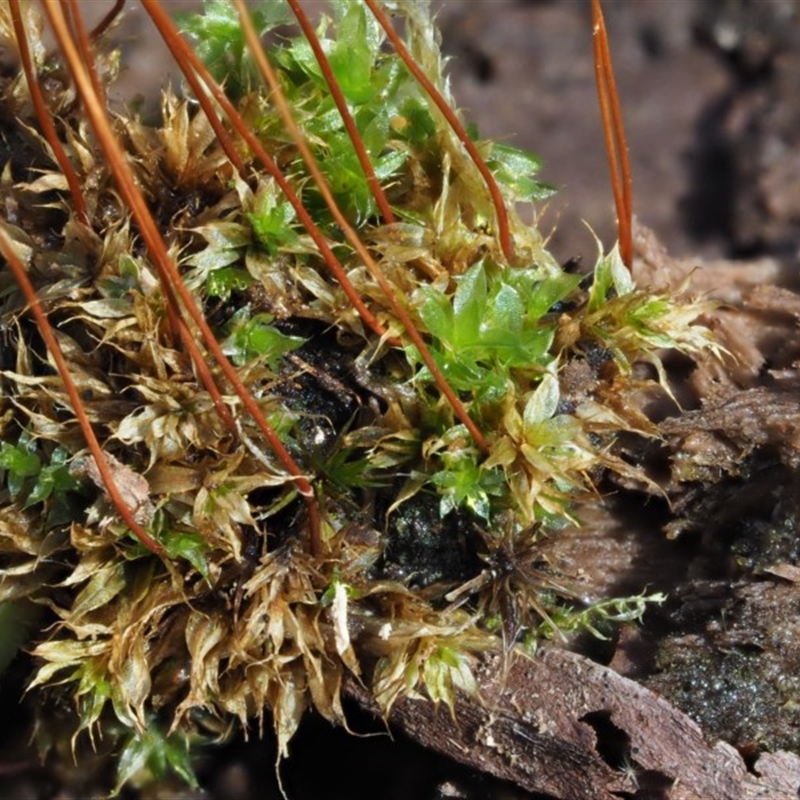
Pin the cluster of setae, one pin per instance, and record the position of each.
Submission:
(288, 389)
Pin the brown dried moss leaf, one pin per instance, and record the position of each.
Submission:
(189, 160)
(177, 417)
(62, 654)
(203, 635)
(18, 533)
(220, 505)
(106, 582)
(430, 656)
(32, 558)
(130, 689)
(91, 538)
(132, 486)
(89, 379)
(287, 699)
(48, 182)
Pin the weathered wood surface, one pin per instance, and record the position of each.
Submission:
(535, 725)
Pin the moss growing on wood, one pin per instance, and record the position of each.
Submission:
(339, 444)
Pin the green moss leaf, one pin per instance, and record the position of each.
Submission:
(469, 306)
(223, 282)
(272, 222)
(541, 295)
(610, 274)
(353, 56)
(465, 483)
(150, 756)
(191, 546)
(220, 42)
(514, 170)
(543, 402)
(254, 336)
(19, 461)
(446, 670)
(484, 331)
(54, 480)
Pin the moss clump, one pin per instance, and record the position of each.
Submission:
(426, 376)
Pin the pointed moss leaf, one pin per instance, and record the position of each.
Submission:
(610, 273)
(179, 758)
(543, 295)
(436, 313)
(374, 127)
(191, 546)
(272, 223)
(254, 337)
(346, 472)
(446, 670)
(288, 706)
(352, 69)
(505, 311)
(212, 258)
(353, 56)
(221, 235)
(415, 123)
(483, 332)
(54, 480)
(543, 402)
(108, 308)
(464, 482)
(19, 461)
(62, 654)
(156, 754)
(347, 179)
(299, 57)
(220, 43)
(226, 242)
(132, 689)
(599, 618)
(354, 26)
(514, 170)
(132, 759)
(388, 165)
(94, 691)
(117, 286)
(326, 122)
(469, 304)
(105, 584)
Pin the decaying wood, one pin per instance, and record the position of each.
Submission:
(744, 420)
(563, 725)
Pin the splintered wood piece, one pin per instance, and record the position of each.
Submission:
(563, 725)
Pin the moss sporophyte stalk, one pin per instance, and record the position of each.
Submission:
(282, 378)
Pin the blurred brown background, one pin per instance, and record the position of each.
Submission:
(709, 91)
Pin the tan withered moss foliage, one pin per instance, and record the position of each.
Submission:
(245, 611)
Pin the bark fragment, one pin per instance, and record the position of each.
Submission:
(565, 726)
